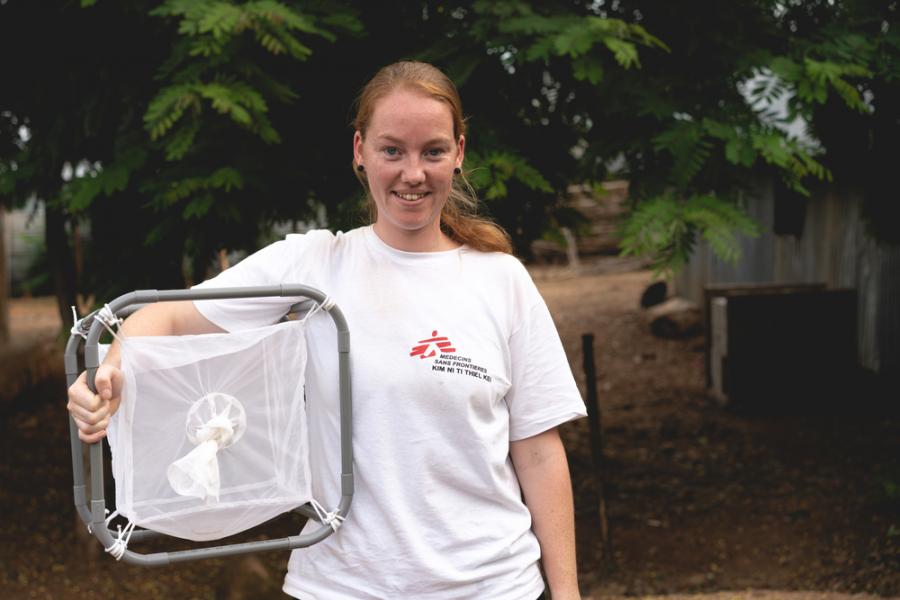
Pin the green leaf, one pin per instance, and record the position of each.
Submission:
(666, 230)
(587, 68)
(224, 178)
(813, 79)
(181, 140)
(574, 36)
(738, 151)
(220, 19)
(167, 107)
(114, 177)
(491, 173)
(720, 223)
(738, 147)
(625, 52)
(197, 207)
(686, 142)
(573, 42)
(542, 49)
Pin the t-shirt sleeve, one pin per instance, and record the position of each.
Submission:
(292, 260)
(543, 392)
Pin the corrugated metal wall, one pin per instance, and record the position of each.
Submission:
(833, 248)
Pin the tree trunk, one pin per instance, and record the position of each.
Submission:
(62, 263)
(4, 280)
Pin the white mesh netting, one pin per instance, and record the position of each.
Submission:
(211, 436)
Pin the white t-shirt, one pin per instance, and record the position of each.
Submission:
(454, 354)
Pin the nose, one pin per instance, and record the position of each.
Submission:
(413, 172)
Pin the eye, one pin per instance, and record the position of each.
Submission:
(391, 151)
(435, 153)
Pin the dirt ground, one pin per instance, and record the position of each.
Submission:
(702, 501)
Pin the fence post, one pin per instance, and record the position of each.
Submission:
(593, 410)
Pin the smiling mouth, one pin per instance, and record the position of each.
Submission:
(410, 197)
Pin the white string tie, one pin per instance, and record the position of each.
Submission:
(327, 304)
(76, 325)
(332, 519)
(106, 316)
(117, 550)
(111, 516)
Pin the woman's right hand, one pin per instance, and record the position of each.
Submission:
(91, 411)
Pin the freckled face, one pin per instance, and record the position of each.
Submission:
(409, 154)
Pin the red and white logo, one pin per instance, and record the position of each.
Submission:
(433, 346)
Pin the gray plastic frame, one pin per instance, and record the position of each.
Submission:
(94, 516)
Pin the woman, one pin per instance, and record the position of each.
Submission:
(459, 377)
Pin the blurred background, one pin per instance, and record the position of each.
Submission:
(707, 188)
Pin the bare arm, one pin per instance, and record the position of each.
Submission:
(543, 474)
(90, 411)
(162, 318)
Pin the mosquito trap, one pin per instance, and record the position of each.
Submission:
(210, 438)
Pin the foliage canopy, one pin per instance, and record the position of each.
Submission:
(193, 125)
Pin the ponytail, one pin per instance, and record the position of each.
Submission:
(461, 222)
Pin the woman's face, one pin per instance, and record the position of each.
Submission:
(409, 154)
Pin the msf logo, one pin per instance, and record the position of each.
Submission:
(432, 346)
